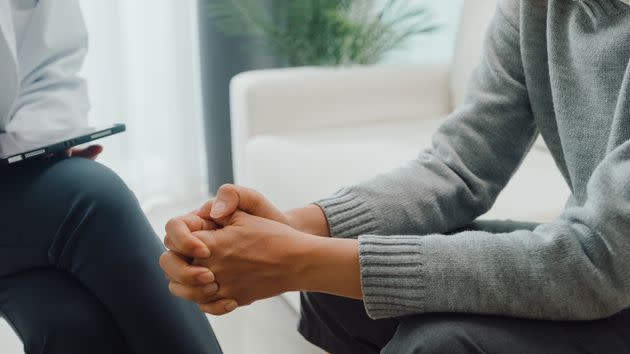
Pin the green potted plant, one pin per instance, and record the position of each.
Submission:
(324, 32)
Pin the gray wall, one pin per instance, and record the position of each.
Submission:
(222, 57)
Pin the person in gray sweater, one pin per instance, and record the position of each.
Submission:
(405, 244)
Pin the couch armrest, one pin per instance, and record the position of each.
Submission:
(298, 99)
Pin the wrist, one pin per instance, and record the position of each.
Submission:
(328, 265)
(309, 220)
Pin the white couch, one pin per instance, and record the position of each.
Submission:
(299, 134)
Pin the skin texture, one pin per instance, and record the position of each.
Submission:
(239, 248)
(91, 152)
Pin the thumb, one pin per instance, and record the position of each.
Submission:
(232, 197)
(226, 202)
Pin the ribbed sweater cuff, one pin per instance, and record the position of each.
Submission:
(392, 275)
(348, 215)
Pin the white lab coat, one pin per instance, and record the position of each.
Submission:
(39, 83)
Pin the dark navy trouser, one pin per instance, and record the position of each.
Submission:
(79, 266)
(341, 326)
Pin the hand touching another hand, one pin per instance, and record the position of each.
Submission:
(179, 237)
(177, 263)
(194, 282)
(238, 248)
(252, 258)
(230, 198)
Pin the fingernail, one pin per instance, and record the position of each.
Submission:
(231, 306)
(206, 278)
(202, 253)
(217, 209)
(211, 288)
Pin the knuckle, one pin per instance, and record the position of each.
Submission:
(167, 242)
(172, 287)
(183, 292)
(205, 299)
(207, 238)
(170, 224)
(216, 309)
(187, 243)
(190, 278)
(209, 309)
(227, 187)
(164, 257)
(198, 296)
(256, 198)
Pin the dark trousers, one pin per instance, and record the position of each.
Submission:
(341, 326)
(79, 266)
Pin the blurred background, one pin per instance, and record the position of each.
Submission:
(145, 67)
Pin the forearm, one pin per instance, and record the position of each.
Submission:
(309, 219)
(329, 265)
(472, 272)
(574, 268)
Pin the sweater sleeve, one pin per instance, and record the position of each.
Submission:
(473, 154)
(574, 268)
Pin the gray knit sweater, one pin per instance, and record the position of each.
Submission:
(555, 67)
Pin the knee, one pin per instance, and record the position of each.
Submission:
(91, 201)
(81, 190)
(94, 182)
(430, 334)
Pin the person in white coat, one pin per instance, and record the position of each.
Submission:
(79, 266)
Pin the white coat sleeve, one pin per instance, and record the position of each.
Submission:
(52, 95)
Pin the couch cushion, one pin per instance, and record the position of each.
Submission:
(296, 169)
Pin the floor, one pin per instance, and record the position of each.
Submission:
(9, 342)
(265, 327)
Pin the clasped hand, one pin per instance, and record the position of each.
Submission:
(222, 256)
